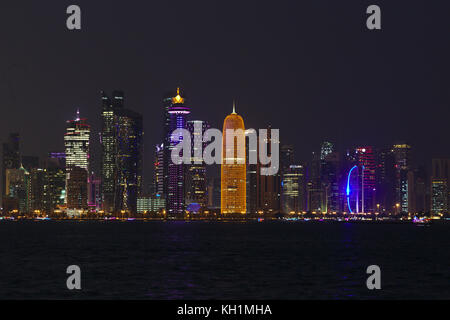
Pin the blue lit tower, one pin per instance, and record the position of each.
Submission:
(175, 118)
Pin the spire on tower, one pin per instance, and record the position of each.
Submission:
(78, 115)
(234, 107)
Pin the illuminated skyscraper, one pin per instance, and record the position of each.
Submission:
(269, 186)
(195, 173)
(440, 191)
(10, 158)
(402, 156)
(108, 140)
(158, 171)
(122, 150)
(76, 141)
(233, 169)
(326, 149)
(366, 161)
(293, 189)
(175, 116)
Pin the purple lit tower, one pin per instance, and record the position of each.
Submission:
(176, 113)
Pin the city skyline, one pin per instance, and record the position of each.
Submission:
(386, 179)
(266, 64)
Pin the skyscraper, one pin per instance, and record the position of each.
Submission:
(10, 157)
(76, 142)
(402, 157)
(366, 161)
(195, 173)
(440, 191)
(122, 150)
(293, 189)
(233, 169)
(326, 149)
(158, 171)
(386, 177)
(269, 186)
(175, 118)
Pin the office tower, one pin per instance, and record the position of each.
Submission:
(175, 114)
(315, 197)
(252, 173)
(233, 168)
(286, 157)
(268, 187)
(54, 189)
(108, 141)
(121, 139)
(10, 157)
(128, 160)
(37, 181)
(214, 197)
(195, 173)
(440, 191)
(158, 171)
(366, 162)
(94, 192)
(330, 179)
(417, 191)
(386, 177)
(402, 157)
(293, 188)
(150, 204)
(326, 149)
(17, 186)
(76, 188)
(76, 142)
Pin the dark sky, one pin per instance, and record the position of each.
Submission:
(310, 68)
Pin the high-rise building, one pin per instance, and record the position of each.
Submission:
(440, 191)
(269, 186)
(233, 168)
(10, 157)
(54, 188)
(37, 181)
(76, 187)
(158, 171)
(286, 157)
(175, 118)
(196, 192)
(326, 148)
(122, 150)
(94, 192)
(17, 188)
(386, 177)
(76, 142)
(252, 174)
(330, 178)
(315, 195)
(366, 162)
(293, 189)
(128, 160)
(402, 157)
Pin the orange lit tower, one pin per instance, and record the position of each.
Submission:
(233, 173)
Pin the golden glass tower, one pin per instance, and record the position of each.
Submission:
(233, 169)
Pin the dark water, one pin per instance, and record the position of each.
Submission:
(200, 260)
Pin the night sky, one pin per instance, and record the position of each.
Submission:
(310, 68)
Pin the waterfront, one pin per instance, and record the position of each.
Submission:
(214, 260)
